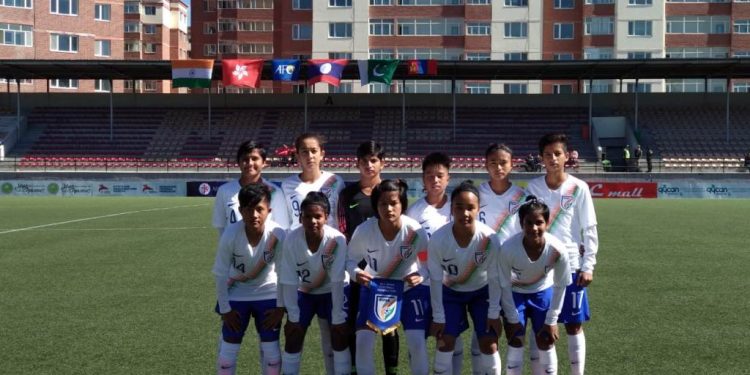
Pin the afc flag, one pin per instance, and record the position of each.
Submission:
(285, 70)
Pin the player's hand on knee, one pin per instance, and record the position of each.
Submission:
(495, 325)
(512, 329)
(436, 329)
(273, 318)
(548, 336)
(292, 329)
(363, 278)
(232, 320)
(413, 279)
(341, 330)
(585, 278)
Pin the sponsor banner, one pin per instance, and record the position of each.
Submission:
(701, 189)
(619, 190)
(29, 188)
(74, 188)
(203, 188)
(139, 188)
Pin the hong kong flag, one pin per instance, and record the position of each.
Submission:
(241, 73)
(322, 70)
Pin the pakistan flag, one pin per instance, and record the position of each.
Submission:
(377, 71)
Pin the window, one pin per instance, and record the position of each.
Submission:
(562, 56)
(301, 31)
(149, 48)
(639, 28)
(209, 28)
(516, 30)
(599, 26)
(69, 7)
(741, 87)
(421, 26)
(102, 12)
(695, 85)
(642, 87)
(340, 3)
(741, 54)
(381, 26)
(478, 56)
(697, 52)
(478, 88)
(16, 3)
(209, 5)
(103, 48)
(515, 88)
(742, 26)
(102, 85)
(23, 81)
(600, 1)
(516, 3)
(132, 7)
(209, 49)
(344, 88)
(562, 89)
(474, 2)
(381, 2)
(563, 31)
(255, 26)
(340, 55)
(565, 4)
(597, 53)
(302, 4)
(429, 2)
(149, 85)
(245, 4)
(132, 27)
(698, 24)
(477, 28)
(132, 46)
(149, 29)
(16, 35)
(301, 56)
(703, 1)
(149, 10)
(63, 83)
(516, 56)
(640, 2)
(339, 30)
(599, 86)
(382, 54)
(254, 49)
(639, 55)
(63, 43)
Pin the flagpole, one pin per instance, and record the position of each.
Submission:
(209, 113)
(306, 88)
(453, 90)
(403, 108)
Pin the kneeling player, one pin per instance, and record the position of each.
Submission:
(312, 275)
(534, 266)
(462, 258)
(245, 275)
(389, 243)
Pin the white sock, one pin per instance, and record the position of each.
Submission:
(491, 363)
(325, 343)
(443, 362)
(548, 360)
(364, 357)
(227, 361)
(457, 361)
(418, 359)
(342, 362)
(290, 363)
(271, 357)
(536, 367)
(577, 353)
(514, 362)
(262, 362)
(476, 355)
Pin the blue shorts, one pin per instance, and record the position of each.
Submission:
(533, 306)
(416, 311)
(575, 304)
(317, 304)
(248, 309)
(456, 304)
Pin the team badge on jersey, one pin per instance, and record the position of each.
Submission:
(480, 257)
(326, 191)
(566, 201)
(385, 301)
(327, 260)
(513, 207)
(406, 251)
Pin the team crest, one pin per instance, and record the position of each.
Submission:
(327, 260)
(326, 191)
(566, 201)
(480, 257)
(268, 256)
(406, 251)
(385, 307)
(513, 207)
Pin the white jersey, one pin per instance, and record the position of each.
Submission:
(500, 211)
(244, 272)
(227, 205)
(429, 217)
(522, 275)
(313, 272)
(387, 259)
(464, 269)
(572, 219)
(295, 192)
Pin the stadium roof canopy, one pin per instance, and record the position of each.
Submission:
(447, 70)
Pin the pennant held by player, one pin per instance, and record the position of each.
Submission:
(241, 73)
(377, 71)
(384, 306)
(192, 73)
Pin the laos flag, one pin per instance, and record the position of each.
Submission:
(323, 70)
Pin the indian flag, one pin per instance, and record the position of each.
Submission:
(192, 73)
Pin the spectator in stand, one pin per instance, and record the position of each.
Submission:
(649, 156)
(530, 163)
(572, 163)
(747, 161)
(626, 157)
(637, 154)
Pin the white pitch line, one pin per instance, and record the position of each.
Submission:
(95, 218)
(119, 229)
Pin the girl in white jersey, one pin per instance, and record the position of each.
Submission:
(533, 274)
(312, 275)
(573, 221)
(245, 274)
(500, 199)
(251, 158)
(389, 243)
(463, 273)
(309, 154)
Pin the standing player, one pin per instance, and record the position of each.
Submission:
(463, 274)
(245, 275)
(573, 221)
(389, 243)
(354, 208)
(310, 153)
(251, 158)
(534, 270)
(312, 275)
(500, 198)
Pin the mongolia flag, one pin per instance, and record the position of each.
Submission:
(192, 73)
(423, 67)
(377, 71)
(328, 71)
(285, 70)
(241, 73)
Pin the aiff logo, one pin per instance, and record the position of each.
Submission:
(7, 188)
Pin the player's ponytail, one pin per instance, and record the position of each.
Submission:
(533, 204)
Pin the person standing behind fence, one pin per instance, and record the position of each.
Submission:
(626, 157)
(649, 157)
(638, 153)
